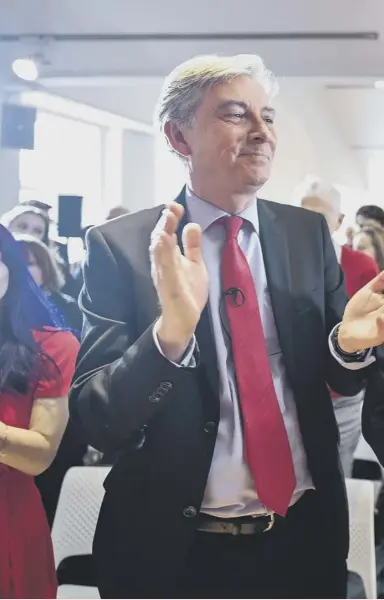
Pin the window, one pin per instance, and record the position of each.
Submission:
(67, 159)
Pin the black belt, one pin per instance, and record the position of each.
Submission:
(240, 526)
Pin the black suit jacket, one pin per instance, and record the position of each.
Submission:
(373, 407)
(132, 401)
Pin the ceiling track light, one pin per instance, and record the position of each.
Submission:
(370, 36)
(26, 68)
(31, 58)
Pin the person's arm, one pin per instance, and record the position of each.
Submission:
(344, 381)
(33, 450)
(122, 380)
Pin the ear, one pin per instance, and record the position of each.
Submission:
(176, 139)
(340, 221)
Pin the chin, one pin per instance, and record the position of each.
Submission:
(257, 182)
(258, 175)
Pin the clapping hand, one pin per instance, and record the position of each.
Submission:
(181, 281)
(363, 323)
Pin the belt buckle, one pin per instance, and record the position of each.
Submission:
(270, 524)
(236, 528)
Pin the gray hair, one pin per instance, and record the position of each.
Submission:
(183, 88)
(324, 191)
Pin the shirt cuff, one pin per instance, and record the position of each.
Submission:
(368, 359)
(188, 359)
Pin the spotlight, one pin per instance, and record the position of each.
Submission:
(379, 85)
(26, 69)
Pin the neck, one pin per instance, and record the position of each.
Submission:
(230, 202)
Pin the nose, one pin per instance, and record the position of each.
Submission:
(260, 131)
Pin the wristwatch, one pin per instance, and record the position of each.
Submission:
(347, 357)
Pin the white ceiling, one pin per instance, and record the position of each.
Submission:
(288, 58)
(130, 72)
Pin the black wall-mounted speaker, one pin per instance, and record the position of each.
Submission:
(69, 218)
(17, 127)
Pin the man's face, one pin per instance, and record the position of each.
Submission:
(232, 141)
(322, 207)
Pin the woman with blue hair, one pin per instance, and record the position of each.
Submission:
(37, 360)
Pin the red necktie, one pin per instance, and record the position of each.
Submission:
(266, 445)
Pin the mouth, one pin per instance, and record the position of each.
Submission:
(257, 155)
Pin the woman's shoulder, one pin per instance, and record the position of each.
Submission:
(62, 349)
(53, 335)
(56, 341)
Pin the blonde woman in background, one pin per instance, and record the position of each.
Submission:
(370, 240)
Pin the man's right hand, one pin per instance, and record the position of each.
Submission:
(181, 281)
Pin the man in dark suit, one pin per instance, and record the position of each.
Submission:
(205, 369)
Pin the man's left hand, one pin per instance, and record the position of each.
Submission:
(363, 323)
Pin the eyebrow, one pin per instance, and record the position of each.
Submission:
(240, 104)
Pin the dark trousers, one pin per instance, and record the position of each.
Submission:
(295, 559)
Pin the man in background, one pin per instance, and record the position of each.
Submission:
(117, 211)
(358, 270)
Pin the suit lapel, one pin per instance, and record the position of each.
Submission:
(204, 334)
(278, 264)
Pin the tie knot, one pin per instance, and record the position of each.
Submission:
(232, 226)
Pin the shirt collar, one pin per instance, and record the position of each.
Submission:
(338, 249)
(204, 214)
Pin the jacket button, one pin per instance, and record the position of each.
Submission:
(190, 512)
(166, 385)
(209, 427)
(154, 398)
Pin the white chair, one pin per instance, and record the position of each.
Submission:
(75, 521)
(362, 559)
(365, 452)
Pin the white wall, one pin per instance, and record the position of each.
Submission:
(138, 171)
(310, 142)
(9, 174)
(9, 178)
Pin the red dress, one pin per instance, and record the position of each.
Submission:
(27, 567)
(359, 269)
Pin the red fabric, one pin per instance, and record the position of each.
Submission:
(266, 444)
(26, 558)
(359, 269)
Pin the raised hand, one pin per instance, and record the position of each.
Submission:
(363, 322)
(181, 281)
